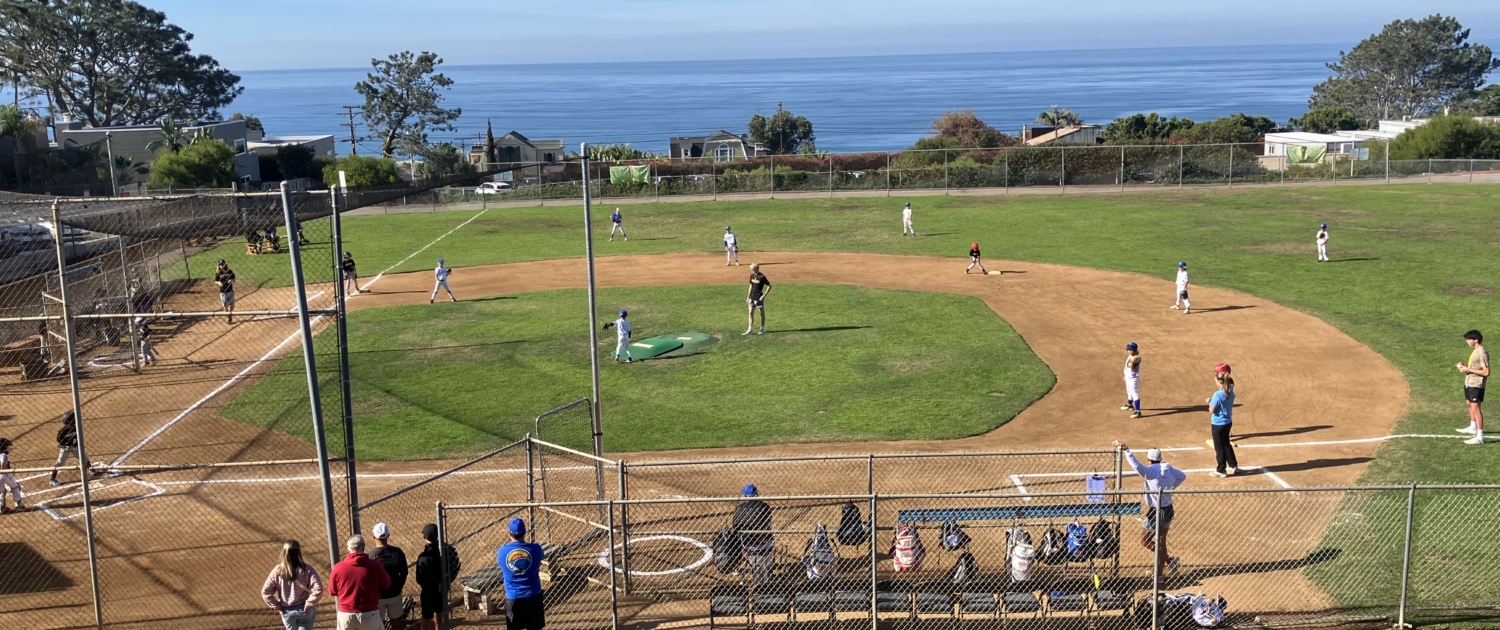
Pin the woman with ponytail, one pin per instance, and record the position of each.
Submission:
(293, 589)
(1221, 412)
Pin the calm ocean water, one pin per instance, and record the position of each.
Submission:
(874, 103)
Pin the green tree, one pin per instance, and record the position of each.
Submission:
(1325, 120)
(1058, 117)
(362, 171)
(783, 133)
(111, 62)
(1410, 68)
(1145, 129)
(444, 159)
(618, 153)
(403, 100)
(927, 152)
(296, 161)
(251, 123)
(1232, 128)
(20, 127)
(965, 127)
(170, 136)
(1485, 102)
(1455, 137)
(127, 169)
(203, 164)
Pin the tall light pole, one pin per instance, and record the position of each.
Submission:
(109, 148)
(588, 241)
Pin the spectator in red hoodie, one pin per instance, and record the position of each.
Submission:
(357, 582)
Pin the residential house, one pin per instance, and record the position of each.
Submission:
(320, 145)
(514, 147)
(132, 141)
(1071, 134)
(721, 145)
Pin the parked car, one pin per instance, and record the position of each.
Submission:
(492, 188)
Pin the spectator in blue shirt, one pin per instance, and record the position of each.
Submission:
(520, 564)
(1159, 475)
(1221, 410)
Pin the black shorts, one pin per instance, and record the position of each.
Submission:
(1474, 394)
(432, 603)
(756, 302)
(1167, 512)
(525, 614)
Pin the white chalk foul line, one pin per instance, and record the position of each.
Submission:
(155, 491)
(460, 226)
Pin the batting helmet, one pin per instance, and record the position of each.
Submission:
(440, 261)
(623, 313)
(1182, 265)
(726, 228)
(1323, 227)
(4, 443)
(1131, 346)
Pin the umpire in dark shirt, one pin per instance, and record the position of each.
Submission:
(391, 557)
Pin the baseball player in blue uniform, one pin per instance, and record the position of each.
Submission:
(1132, 380)
(622, 337)
(615, 219)
(441, 273)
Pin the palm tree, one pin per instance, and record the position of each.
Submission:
(1058, 117)
(20, 127)
(172, 136)
(126, 168)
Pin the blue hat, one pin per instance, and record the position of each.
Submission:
(622, 312)
(517, 527)
(908, 203)
(1323, 227)
(1131, 346)
(1182, 264)
(750, 490)
(440, 261)
(726, 228)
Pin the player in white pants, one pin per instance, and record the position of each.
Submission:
(974, 260)
(441, 273)
(1182, 289)
(731, 248)
(906, 227)
(8, 481)
(1132, 380)
(622, 337)
(1323, 243)
(615, 220)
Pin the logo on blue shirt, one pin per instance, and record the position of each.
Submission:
(518, 560)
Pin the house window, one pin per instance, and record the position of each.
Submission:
(723, 153)
(548, 158)
(239, 145)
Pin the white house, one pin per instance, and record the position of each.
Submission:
(320, 145)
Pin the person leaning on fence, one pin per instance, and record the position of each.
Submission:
(752, 520)
(1157, 475)
(430, 576)
(520, 565)
(394, 560)
(293, 589)
(67, 446)
(357, 582)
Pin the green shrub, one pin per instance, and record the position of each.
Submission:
(206, 163)
(362, 171)
(1448, 138)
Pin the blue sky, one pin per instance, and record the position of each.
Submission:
(273, 34)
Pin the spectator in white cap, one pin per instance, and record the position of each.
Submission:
(1157, 475)
(394, 560)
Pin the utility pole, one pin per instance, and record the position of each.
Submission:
(353, 129)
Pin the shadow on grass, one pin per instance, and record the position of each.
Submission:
(1354, 259)
(819, 329)
(491, 298)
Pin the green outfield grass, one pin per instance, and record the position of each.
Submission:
(838, 363)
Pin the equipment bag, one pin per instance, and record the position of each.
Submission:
(907, 552)
(953, 537)
(1209, 613)
(1105, 539)
(728, 552)
(1079, 549)
(818, 557)
(964, 571)
(1022, 557)
(852, 528)
(1054, 549)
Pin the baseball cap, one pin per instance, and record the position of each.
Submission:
(750, 490)
(348, 254)
(440, 261)
(1324, 226)
(221, 261)
(517, 527)
(1222, 368)
(726, 228)
(1131, 346)
(1182, 264)
(908, 204)
(622, 312)
(1153, 455)
(381, 531)
(429, 531)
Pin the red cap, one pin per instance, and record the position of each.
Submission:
(974, 245)
(1222, 368)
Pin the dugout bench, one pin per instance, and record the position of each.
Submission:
(484, 588)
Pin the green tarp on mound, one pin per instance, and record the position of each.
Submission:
(674, 342)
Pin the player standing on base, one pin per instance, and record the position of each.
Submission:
(614, 220)
(441, 273)
(1323, 243)
(974, 259)
(1182, 289)
(906, 221)
(731, 248)
(622, 337)
(760, 288)
(8, 480)
(1475, 372)
(1132, 380)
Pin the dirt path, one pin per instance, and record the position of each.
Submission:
(1299, 378)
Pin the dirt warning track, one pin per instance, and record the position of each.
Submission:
(1299, 379)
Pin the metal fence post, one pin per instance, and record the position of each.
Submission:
(624, 529)
(1411, 506)
(1283, 170)
(1119, 485)
(1333, 169)
(597, 412)
(1429, 170)
(656, 181)
(1471, 170)
(1231, 165)
(773, 175)
(1062, 175)
(83, 469)
(830, 175)
(614, 593)
(945, 171)
(713, 179)
(531, 483)
(309, 363)
(1156, 565)
(874, 561)
(888, 173)
(135, 344)
(870, 475)
(442, 545)
(1387, 161)
(185, 270)
(1122, 168)
(1007, 171)
(1180, 157)
(343, 334)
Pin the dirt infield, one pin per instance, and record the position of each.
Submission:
(165, 555)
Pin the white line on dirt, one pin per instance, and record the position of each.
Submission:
(380, 275)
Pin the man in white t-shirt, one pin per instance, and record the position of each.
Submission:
(906, 221)
(1182, 289)
(441, 273)
(622, 337)
(731, 248)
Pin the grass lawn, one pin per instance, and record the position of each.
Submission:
(839, 363)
